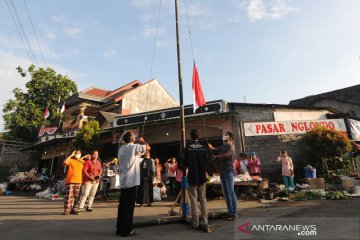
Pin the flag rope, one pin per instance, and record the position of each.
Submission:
(192, 52)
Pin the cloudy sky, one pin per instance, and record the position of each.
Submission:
(261, 51)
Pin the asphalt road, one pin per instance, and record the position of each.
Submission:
(25, 217)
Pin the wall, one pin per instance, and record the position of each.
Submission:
(267, 148)
(11, 155)
(344, 107)
(148, 97)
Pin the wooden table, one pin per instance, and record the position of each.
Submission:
(257, 184)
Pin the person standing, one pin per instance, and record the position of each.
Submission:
(254, 165)
(91, 172)
(73, 181)
(113, 166)
(197, 162)
(171, 175)
(226, 155)
(242, 164)
(287, 169)
(158, 168)
(145, 192)
(129, 170)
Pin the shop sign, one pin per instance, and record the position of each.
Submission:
(290, 127)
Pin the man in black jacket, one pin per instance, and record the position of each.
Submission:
(197, 162)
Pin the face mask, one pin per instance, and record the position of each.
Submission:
(77, 156)
(225, 138)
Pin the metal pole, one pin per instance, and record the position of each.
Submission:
(183, 141)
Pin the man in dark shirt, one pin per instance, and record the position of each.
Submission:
(197, 162)
(226, 155)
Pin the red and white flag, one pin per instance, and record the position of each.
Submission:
(62, 108)
(198, 95)
(46, 113)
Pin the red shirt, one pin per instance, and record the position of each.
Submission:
(91, 169)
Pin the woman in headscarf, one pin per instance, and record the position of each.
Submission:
(145, 194)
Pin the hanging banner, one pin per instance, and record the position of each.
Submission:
(355, 129)
(290, 127)
(48, 130)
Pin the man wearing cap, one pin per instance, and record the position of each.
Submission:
(113, 165)
(226, 155)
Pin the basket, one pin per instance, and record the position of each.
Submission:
(316, 183)
(349, 184)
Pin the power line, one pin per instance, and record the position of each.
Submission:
(156, 33)
(23, 31)
(17, 28)
(33, 28)
(188, 22)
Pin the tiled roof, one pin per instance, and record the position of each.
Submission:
(98, 92)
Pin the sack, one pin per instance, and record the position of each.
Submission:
(157, 195)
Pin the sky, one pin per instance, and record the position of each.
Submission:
(254, 51)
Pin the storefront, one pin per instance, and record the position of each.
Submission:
(262, 128)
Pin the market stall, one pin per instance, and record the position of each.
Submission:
(243, 180)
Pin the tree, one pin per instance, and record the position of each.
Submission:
(87, 138)
(23, 115)
(326, 149)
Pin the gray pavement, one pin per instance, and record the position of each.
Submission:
(25, 217)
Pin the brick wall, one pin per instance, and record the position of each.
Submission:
(11, 154)
(267, 148)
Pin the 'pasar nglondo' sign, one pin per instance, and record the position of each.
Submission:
(290, 127)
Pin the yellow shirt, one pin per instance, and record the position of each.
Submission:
(74, 172)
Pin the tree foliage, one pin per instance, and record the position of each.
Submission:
(322, 144)
(23, 115)
(87, 138)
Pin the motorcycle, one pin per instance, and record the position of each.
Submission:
(108, 186)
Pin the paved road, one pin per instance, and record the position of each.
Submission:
(25, 217)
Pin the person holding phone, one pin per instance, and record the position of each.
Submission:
(91, 172)
(73, 181)
(287, 169)
(129, 170)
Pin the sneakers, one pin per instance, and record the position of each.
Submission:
(133, 233)
(231, 217)
(89, 209)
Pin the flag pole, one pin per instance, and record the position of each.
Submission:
(185, 206)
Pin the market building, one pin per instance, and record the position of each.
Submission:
(262, 128)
